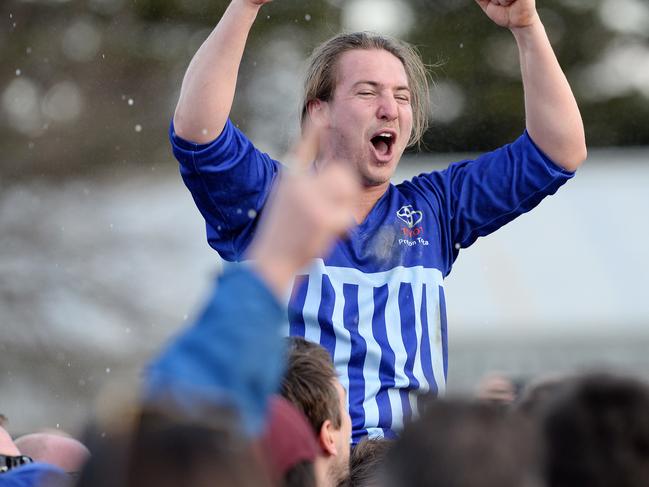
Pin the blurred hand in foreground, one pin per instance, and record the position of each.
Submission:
(307, 211)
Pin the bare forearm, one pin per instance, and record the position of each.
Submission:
(552, 115)
(208, 87)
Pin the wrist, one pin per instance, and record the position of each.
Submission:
(249, 5)
(527, 25)
(528, 34)
(275, 269)
(276, 275)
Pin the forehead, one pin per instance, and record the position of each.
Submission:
(375, 65)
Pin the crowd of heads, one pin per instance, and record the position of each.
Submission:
(590, 429)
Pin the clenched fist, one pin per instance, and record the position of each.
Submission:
(510, 13)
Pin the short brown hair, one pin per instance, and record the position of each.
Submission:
(320, 80)
(366, 462)
(309, 383)
(456, 442)
(596, 432)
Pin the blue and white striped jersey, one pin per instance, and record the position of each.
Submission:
(376, 303)
(386, 333)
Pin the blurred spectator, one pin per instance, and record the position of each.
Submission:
(289, 446)
(54, 448)
(458, 443)
(35, 475)
(18, 470)
(311, 384)
(366, 463)
(597, 433)
(159, 449)
(539, 393)
(206, 395)
(215, 363)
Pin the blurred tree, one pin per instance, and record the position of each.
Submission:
(90, 85)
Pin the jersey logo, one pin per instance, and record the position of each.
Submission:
(409, 216)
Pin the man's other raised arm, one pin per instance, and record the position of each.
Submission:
(208, 87)
(551, 112)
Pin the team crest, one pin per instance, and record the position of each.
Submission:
(409, 216)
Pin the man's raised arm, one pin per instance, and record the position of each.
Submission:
(208, 87)
(552, 116)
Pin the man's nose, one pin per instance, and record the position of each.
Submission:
(388, 108)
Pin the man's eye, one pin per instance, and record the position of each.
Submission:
(403, 98)
(366, 93)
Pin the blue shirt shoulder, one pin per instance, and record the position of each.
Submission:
(232, 356)
(229, 180)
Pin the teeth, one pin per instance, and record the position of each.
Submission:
(385, 134)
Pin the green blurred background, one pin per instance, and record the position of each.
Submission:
(90, 85)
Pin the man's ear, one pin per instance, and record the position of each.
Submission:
(327, 438)
(318, 111)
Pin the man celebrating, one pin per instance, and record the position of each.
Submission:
(376, 302)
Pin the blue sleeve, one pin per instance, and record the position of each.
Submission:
(36, 474)
(232, 356)
(476, 197)
(229, 180)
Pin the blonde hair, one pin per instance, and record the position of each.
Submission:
(320, 80)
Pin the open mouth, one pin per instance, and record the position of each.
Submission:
(383, 142)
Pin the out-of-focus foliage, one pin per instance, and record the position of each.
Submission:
(90, 85)
(483, 62)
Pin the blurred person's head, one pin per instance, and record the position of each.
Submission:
(597, 433)
(155, 448)
(288, 446)
(369, 93)
(311, 384)
(496, 388)
(536, 396)
(366, 462)
(20, 470)
(457, 443)
(54, 448)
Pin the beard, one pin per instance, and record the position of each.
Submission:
(339, 471)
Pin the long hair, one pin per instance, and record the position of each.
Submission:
(320, 80)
